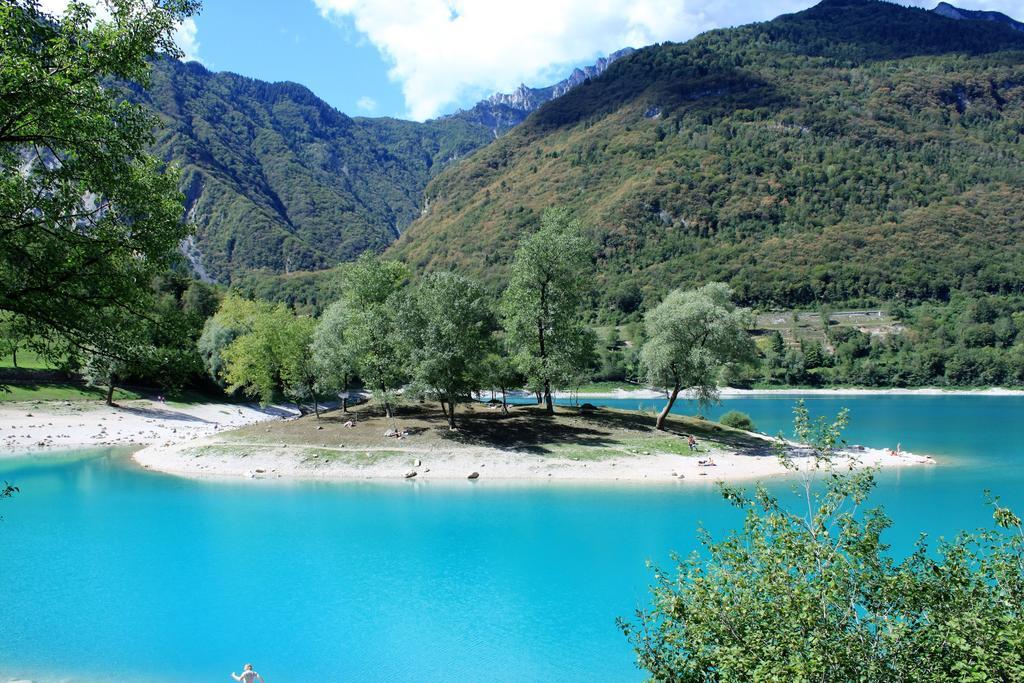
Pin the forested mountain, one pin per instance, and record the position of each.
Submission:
(275, 178)
(856, 149)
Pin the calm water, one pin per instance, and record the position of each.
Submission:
(109, 573)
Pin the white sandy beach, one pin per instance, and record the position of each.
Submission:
(188, 440)
(67, 424)
(213, 458)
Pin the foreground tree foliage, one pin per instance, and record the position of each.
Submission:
(542, 309)
(811, 593)
(87, 215)
(158, 350)
(691, 336)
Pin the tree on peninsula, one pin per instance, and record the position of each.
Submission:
(333, 357)
(87, 215)
(446, 325)
(366, 319)
(691, 336)
(542, 309)
(500, 372)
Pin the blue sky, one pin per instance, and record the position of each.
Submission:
(422, 58)
(290, 41)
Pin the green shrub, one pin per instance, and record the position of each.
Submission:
(738, 420)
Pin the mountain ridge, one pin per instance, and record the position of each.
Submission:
(276, 179)
(952, 12)
(783, 157)
(502, 111)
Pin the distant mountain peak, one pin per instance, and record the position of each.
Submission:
(951, 12)
(502, 111)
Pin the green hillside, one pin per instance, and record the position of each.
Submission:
(277, 179)
(854, 150)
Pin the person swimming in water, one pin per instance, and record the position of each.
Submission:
(248, 675)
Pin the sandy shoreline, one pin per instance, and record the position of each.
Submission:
(195, 441)
(212, 458)
(44, 425)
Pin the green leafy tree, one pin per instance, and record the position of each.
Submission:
(581, 352)
(500, 372)
(274, 358)
(368, 315)
(86, 214)
(542, 307)
(691, 336)
(300, 376)
(446, 325)
(333, 356)
(105, 371)
(235, 317)
(811, 592)
(737, 420)
(15, 335)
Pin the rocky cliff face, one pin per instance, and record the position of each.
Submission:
(503, 111)
(951, 12)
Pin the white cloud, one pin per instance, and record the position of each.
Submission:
(186, 38)
(185, 35)
(446, 52)
(367, 104)
(449, 52)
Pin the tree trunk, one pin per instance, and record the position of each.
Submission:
(316, 407)
(444, 410)
(548, 403)
(504, 402)
(451, 415)
(14, 356)
(660, 424)
(344, 405)
(110, 391)
(387, 404)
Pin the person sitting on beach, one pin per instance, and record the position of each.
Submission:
(692, 442)
(248, 675)
(706, 463)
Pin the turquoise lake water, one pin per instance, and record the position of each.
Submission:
(112, 573)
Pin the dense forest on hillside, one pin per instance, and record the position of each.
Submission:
(855, 150)
(275, 178)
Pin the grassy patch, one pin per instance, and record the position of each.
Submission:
(608, 387)
(209, 450)
(605, 433)
(357, 458)
(582, 453)
(676, 446)
(27, 360)
(60, 392)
